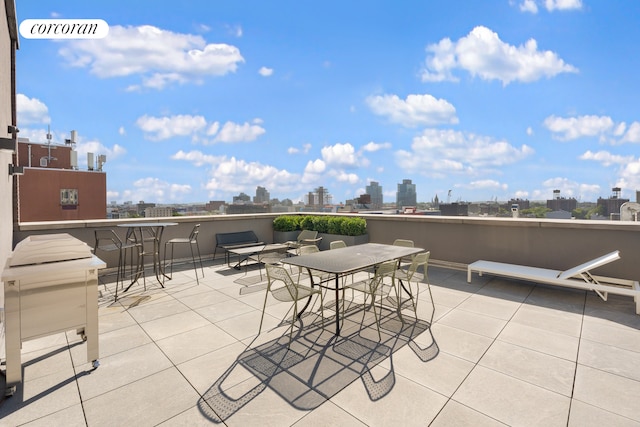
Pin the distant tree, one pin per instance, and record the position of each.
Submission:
(536, 212)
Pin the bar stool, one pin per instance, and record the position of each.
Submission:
(191, 240)
(108, 241)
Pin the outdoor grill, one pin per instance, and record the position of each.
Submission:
(50, 286)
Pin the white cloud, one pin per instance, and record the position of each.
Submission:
(31, 110)
(483, 54)
(632, 134)
(198, 158)
(159, 128)
(156, 190)
(602, 127)
(484, 184)
(552, 5)
(568, 188)
(342, 176)
(340, 155)
(627, 167)
(295, 150)
(413, 111)
(229, 176)
(233, 132)
(265, 71)
(438, 153)
(606, 158)
(234, 30)
(566, 129)
(159, 56)
(529, 131)
(375, 146)
(315, 167)
(97, 148)
(529, 6)
(122, 130)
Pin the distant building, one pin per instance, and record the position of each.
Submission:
(454, 209)
(214, 205)
(561, 204)
(53, 189)
(611, 206)
(318, 199)
(141, 207)
(241, 198)
(262, 195)
(158, 212)
(375, 191)
(235, 209)
(406, 194)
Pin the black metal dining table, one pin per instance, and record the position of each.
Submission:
(348, 260)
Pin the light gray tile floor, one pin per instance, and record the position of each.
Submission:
(499, 353)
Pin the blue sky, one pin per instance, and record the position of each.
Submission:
(200, 100)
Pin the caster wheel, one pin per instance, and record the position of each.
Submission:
(8, 392)
(95, 364)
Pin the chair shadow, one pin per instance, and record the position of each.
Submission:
(317, 364)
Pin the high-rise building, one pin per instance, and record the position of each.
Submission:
(262, 196)
(406, 194)
(375, 191)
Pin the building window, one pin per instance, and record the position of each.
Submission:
(69, 198)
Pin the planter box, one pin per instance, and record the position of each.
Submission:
(286, 236)
(349, 240)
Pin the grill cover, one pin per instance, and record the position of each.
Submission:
(50, 286)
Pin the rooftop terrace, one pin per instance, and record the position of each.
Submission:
(499, 352)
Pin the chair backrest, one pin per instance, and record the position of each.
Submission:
(193, 237)
(307, 235)
(337, 244)
(403, 242)
(308, 249)
(106, 240)
(421, 259)
(277, 273)
(385, 269)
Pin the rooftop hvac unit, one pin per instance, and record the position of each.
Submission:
(74, 159)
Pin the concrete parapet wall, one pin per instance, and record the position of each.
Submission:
(555, 244)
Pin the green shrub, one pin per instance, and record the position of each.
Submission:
(335, 225)
(306, 222)
(286, 223)
(347, 225)
(354, 226)
(321, 224)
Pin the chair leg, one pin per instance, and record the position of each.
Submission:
(193, 260)
(200, 258)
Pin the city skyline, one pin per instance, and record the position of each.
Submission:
(200, 101)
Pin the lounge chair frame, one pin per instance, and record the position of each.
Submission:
(579, 277)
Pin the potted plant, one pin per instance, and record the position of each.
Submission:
(351, 229)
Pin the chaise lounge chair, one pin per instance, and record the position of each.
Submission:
(579, 277)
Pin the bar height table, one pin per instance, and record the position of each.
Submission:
(351, 259)
(135, 232)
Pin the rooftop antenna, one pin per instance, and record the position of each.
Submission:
(49, 143)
